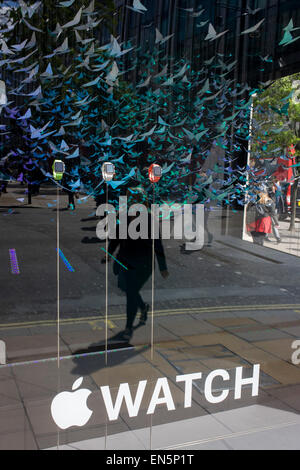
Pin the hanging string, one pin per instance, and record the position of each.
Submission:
(58, 295)
(152, 295)
(106, 309)
(297, 249)
(106, 284)
(153, 271)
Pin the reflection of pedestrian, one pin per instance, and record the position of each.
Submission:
(275, 195)
(3, 176)
(136, 256)
(4, 171)
(275, 229)
(202, 182)
(71, 183)
(282, 200)
(33, 177)
(280, 204)
(3, 186)
(262, 212)
(71, 201)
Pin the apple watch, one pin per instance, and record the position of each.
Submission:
(108, 171)
(155, 173)
(58, 169)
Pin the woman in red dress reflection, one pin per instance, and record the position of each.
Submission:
(261, 225)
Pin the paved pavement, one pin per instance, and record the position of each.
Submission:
(227, 430)
(229, 305)
(290, 240)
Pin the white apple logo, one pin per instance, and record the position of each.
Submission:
(70, 408)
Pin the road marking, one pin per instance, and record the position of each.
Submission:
(70, 268)
(110, 324)
(14, 261)
(158, 313)
(231, 435)
(95, 326)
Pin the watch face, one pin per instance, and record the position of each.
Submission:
(109, 168)
(157, 171)
(59, 167)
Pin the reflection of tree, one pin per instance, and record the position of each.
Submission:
(277, 127)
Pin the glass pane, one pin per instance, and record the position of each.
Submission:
(43, 407)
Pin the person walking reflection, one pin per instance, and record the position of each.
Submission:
(264, 214)
(202, 182)
(136, 256)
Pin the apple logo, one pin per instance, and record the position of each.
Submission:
(70, 408)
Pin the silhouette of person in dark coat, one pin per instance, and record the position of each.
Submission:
(136, 256)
